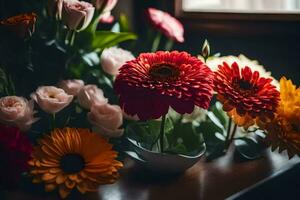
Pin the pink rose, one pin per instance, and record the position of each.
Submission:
(17, 111)
(90, 95)
(106, 119)
(51, 99)
(167, 24)
(105, 5)
(71, 87)
(54, 8)
(77, 15)
(113, 58)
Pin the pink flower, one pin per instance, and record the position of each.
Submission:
(106, 5)
(90, 95)
(113, 58)
(167, 24)
(54, 8)
(17, 111)
(106, 119)
(71, 87)
(77, 15)
(51, 99)
(107, 18)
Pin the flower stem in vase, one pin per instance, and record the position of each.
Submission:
(228, 134)
(162, 133)
(156, 42)
(231, 137)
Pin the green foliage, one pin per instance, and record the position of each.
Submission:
(180, 138)
(104, 39)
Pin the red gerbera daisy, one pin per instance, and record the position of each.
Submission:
(168, 25)
(148, 85)
(246, 96)
(15, 151)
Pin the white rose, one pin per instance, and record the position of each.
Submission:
(89, 95)
(113, 58)
(71, 87)
(17, 111)
(106, 119)
(51, 99)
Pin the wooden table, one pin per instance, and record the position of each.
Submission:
(218, 179)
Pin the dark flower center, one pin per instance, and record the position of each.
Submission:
(295, 127)
(164, 71)
(72, 163)
(245, 85)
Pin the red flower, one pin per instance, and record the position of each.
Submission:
(165, 23)
(246, 96)
(15, 152)
(148, 85)
(22, 25)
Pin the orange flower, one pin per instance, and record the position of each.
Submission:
(72, 158)
(247, 97)
(22, 25)
(284, 130)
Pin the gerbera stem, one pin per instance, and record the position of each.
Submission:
(232, 135)
(169, 45)
(228, 133)
(156, 42)
(162, 133)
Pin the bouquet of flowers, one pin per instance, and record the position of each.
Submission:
(71, 98)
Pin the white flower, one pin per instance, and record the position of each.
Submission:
(106, 119)
(51, 99)
(90, 95)
(17, 111)
(71, 87)
(113, 58)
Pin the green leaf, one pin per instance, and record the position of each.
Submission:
(214, 139)
(185, 140)
(124, 23)
(104, 39)
(217, 109)
(147, 133)
(91, 59)
(248, 148)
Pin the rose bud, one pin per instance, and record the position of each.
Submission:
(113, 58)
(90, 95)
(21, 25)
(51, 99)
(17, 111)
(71, 87)
(106, 119)
(205, 50)
(77, 15)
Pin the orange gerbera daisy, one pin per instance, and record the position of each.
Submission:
(246, 96)
(72, 158)
(284, 130)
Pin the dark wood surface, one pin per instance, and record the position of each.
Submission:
(218, 179)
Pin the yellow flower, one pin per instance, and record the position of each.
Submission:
(284, 130)
(72, 158)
